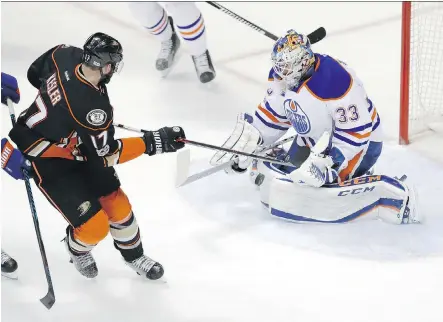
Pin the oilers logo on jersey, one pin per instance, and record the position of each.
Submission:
(298, 118)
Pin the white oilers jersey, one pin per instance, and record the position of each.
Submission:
(333, 99)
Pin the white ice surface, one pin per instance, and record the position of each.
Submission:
(225, 259)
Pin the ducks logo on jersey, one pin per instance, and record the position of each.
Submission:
(297, 116)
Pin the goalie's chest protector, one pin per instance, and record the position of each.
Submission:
(312, 106)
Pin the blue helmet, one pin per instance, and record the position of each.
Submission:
(292, 57)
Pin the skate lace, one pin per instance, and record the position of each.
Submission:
(5, 257)
(166, 47)
(85, 260)
(144, 263)
(202, 60)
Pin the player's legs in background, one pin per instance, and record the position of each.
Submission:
(9, 266)
(191, 27)
(123, 224)
(155, 19)
(68, 190)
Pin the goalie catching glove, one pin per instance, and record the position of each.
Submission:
(244, 138)
(318, 169)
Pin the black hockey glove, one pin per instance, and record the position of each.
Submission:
(164, 140)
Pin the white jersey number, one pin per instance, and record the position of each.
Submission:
(41, 115)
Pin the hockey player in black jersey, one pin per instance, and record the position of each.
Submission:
(68, 136)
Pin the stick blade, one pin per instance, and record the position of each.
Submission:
(322, 144)
(182, 167)
(205, 173)
(49, 299)
(317, 35)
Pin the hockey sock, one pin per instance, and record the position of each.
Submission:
(126, 234)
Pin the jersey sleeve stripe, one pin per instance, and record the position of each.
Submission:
(272, 117)
(32, 145)
(269, 108)
(312, 141)
(352, 165)
(271, 125)
(355, 129)
(376, 125)
(374, 114)
(39, 149)
(308, 141)
(371, 106)
(305, 141)
(349, 141)
(359, 136)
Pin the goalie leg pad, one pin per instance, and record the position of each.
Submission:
(363, 198)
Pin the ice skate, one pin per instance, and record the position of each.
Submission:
(168, 50)
(146, 267)
(9, 266)
(204, 68)
(84, 263)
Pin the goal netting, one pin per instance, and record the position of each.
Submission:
(422, 69)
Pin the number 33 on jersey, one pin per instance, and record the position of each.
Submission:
(333, 99)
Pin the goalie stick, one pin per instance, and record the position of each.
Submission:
(184, 161)
(314, 36)
(49, 299)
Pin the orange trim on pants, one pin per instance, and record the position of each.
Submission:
(351, 166)
(94, 230)
(116, 206)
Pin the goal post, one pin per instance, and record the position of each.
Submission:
(421, 82)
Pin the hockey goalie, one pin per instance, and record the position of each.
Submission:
(323, 100)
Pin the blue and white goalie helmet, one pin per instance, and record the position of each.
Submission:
(292, 57)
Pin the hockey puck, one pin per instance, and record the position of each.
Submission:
(259, 179)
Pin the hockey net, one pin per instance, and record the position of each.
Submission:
(421, 97)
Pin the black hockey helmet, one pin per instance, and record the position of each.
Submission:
(100, 50)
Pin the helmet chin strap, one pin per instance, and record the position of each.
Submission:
(105, 78)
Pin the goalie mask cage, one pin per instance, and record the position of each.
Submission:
(421, 91)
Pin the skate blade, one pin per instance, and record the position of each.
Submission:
(164, 73)
(161, 280)
(11, 276)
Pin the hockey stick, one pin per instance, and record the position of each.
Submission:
(314, 36)
(210, 146)
(49, 299)
(183, 164)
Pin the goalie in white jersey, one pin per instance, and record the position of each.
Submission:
(314, 94)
